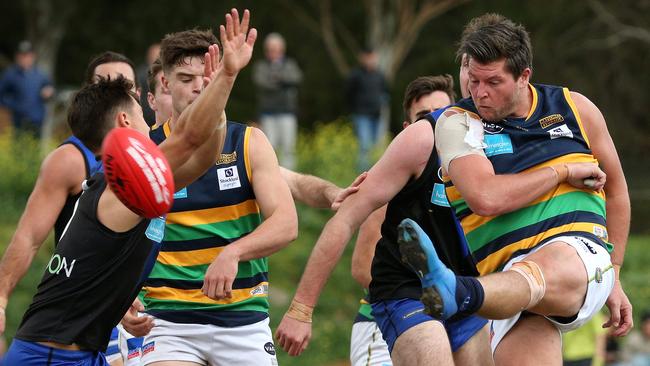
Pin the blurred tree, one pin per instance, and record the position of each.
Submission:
(392, 28)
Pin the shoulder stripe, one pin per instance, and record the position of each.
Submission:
(247, 159)
(574, 109)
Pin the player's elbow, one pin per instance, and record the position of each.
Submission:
(361, 276)
(290, 227)
(485, 205)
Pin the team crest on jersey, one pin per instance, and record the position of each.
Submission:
(492, 128)
(227, 158)
(560, 131)
(551, 120)
(228, 178)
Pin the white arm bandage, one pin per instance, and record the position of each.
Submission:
(458, 135)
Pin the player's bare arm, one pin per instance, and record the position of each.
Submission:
(317, 192)
(200, 123)
(404, 159)
(59, 176)
(489, 194)
(279, 228)
(364, 248)
(618, 205)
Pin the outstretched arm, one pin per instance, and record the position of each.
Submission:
(404, 159)
(317, 192)
(199, 133)
(60, 175)
(364, 249)
(618, 206)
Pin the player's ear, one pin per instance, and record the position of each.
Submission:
(525, 77)
(122, 119)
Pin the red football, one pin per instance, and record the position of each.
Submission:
(137, 171)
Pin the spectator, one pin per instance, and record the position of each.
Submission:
(636, 350)
(24, 88)
(277, 78)
(142, 74)
(366, 92)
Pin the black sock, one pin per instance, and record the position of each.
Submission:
(469, 295)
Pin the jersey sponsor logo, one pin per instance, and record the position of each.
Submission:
(262, 289)
(181, 194)
(438, 195)
(148, 348)
(551, 120)
(492, 128)
(560, 131)
(227, 158)
(498, 144)
(228, 178)
(133, 353)
(58, 263)
(269, 348)
(156, 229)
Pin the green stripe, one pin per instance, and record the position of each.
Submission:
(231, 229)
(197, 273)
(366, 310)
(504, 224)
(459, 205)
(252, 304)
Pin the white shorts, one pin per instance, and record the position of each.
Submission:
(208, 344)
(130, 347)
(367, 347)
(600, 271)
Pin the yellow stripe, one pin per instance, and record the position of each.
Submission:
(197, 296)
(166, 128)
(247, 161)
(567, 96)
(501, 257)
(472, 222)
(534, 104)
(213, 215)
(189, 258)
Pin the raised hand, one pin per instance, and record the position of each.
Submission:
(237, 42)
(211, 65)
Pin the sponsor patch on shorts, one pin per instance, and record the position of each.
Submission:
(149, 347)
(269, 348)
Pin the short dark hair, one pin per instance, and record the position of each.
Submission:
(425, 85)
(152, 80)
(90, 115)
(492, 37)
(107, 58)
(176, 47)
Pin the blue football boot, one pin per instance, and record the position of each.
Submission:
(438, 281)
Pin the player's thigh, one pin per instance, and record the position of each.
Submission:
(246, 345)
(565, 276)
(476, 350)
(423, 344)
(533, 341)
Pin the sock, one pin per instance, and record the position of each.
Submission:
(469, 295)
